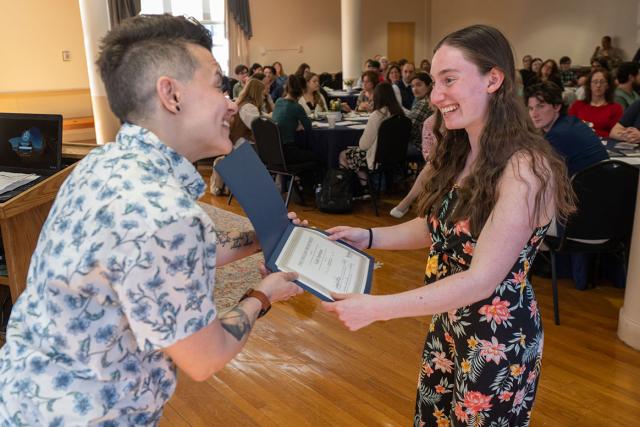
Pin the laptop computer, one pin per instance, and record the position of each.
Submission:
(30, 143)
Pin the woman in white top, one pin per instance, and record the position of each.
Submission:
(361, 158)
(312, 100)
(251, 103)
(393, 76)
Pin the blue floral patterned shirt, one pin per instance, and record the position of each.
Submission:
(124, 267)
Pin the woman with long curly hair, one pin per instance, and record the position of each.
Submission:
(492, 187)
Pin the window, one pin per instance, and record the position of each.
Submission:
(211, 13)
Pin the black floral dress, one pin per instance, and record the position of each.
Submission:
(481, 362)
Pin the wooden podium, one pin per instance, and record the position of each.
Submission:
(21, 219)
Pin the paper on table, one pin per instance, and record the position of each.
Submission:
(629, 160)
(10, 181)
(319, 124)
(360, 126)
(343, 123)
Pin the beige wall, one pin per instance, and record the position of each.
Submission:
(288, 24)
(33, 34)
(546, 28)
(281, 26)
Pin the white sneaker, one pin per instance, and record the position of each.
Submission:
(397, 212)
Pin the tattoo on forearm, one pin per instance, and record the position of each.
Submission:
(237, 323)
(236, 239)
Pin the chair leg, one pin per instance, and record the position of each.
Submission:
(596, 271)
(554, 287)
(289, 189)
(298, 191)
(374, 199)
(230, 198)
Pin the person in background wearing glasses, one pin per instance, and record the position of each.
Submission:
(242, 74)
(598, 107)
(120, 287)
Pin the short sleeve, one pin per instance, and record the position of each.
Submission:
(169, 296)
(631, 116)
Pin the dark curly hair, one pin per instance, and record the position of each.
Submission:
(138, 51)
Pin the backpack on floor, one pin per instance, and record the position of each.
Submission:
(335, 194)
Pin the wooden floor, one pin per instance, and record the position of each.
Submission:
(302, 368)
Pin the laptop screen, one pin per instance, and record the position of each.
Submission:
(30, 143)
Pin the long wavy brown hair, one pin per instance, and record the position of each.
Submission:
(508, 130)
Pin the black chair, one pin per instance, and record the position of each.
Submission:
(391, 154)
(606, 197)
(269, 147)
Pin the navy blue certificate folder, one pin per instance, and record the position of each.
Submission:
(284, 243)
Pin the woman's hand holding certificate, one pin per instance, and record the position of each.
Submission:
(356, 237)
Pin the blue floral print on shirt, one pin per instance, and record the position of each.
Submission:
(124, 267)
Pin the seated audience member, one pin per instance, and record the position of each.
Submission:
(425, 65)
(302, 69)
(536, 64)
(429, 139)
(255, 68)
(365, 98)
(571, 137)
(567, 76)
(393, 77)
(242, 74)
(290, 117)
(312, 100)
(599, 64)
(628, 82)
(606, 52)
(628, 128)
(251, 103)
(282, 76)
(550, 72)
(361, 158)
(271, 83)
(598, 107)
(268, 104)
(370, 65)
(120, 290)
(384, 65)
(225, 87)
(583, 80)
(404, 84)
(421, 87)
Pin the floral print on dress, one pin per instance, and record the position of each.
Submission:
(481, 363)
(124, 267)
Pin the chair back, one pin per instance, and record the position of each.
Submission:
(393, 139)
(606, 194)
(268, 143)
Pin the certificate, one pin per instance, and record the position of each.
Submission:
(323, 265)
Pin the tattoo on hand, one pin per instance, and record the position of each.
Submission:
(236, 239)
(237, 323)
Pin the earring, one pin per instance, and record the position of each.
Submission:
(177, 108)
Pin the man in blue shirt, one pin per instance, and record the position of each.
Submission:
(120, 286)
(576, 142)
